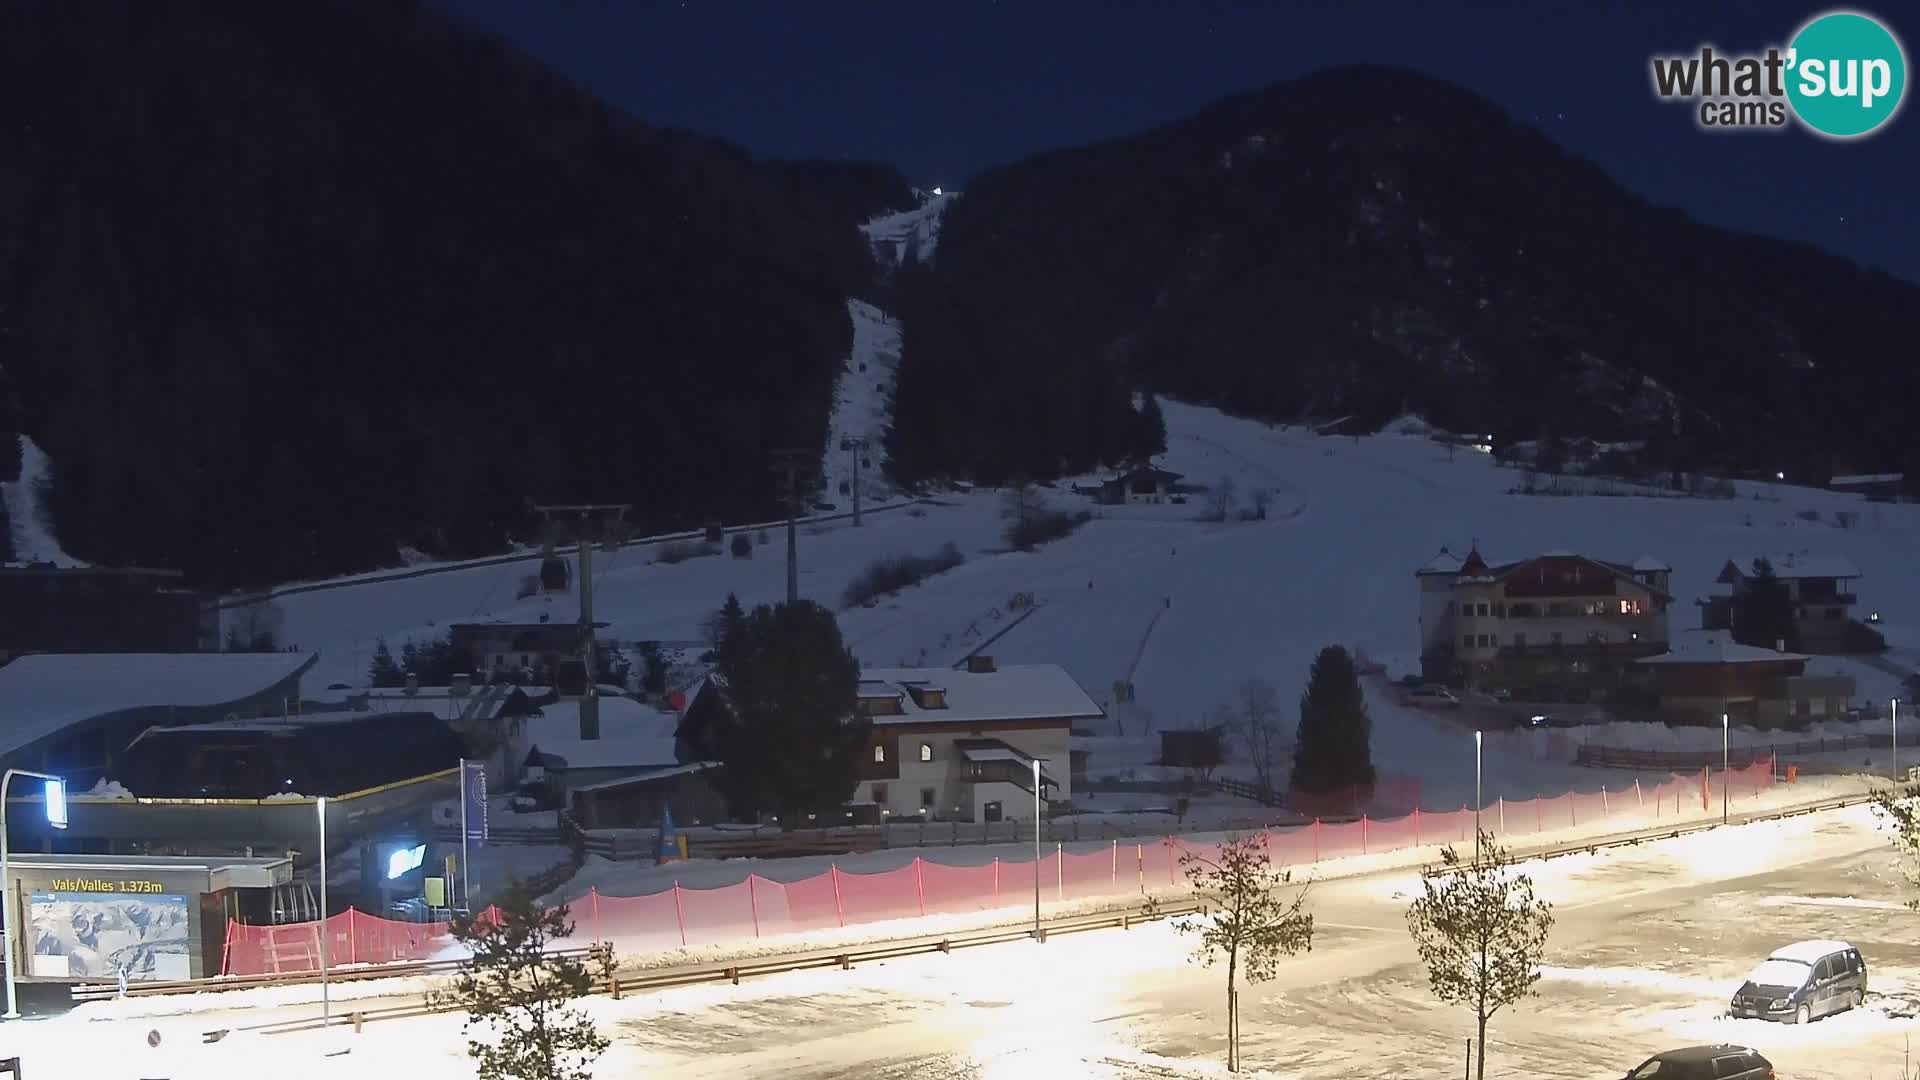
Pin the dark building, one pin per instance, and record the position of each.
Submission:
(502, 647)
(45, 608)
(323, 754)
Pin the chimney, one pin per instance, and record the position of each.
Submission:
(979, 665)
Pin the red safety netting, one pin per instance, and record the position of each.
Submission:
(761, 907)
(349, 938)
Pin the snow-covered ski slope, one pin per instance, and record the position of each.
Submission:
(1333, 563)
(33, 539)
(861, 405)
(910, 235)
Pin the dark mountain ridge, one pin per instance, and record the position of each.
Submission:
(290, 286)
(1370, 241)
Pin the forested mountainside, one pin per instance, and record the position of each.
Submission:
(285, 287)
(1370, 242)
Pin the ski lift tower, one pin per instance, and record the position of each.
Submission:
(591, 523)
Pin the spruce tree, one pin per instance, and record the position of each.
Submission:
(1333, 748)
(1150, 429)
(1763, 614)
(792, 741)
(383, 672)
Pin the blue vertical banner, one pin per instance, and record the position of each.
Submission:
(473, 800)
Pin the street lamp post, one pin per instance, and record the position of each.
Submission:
(1723, 769)
(1895, 703)
(57, 817)
(326, 940)
(1036, 850)
(1476, 797)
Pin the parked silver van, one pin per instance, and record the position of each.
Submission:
(1803, 982)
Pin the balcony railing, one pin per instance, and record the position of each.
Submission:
(1816, 599)
(1584, 648)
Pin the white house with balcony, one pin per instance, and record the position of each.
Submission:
(960, 744)
(1554, 627)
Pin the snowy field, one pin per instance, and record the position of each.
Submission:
(1350, 521)
(1648, 945)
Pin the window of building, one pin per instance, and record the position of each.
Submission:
(926, 797)
(1596, 637)
(1486, 641)
(1483, 610)
(879, 755)
(1466, 641)
(880, 794)
(1629, 607)
(926, 752)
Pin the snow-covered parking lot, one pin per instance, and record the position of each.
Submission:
(1649, 943)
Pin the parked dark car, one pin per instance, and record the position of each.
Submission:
(1803, 982)
(1723, 1062)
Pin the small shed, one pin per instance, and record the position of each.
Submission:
(637, 801)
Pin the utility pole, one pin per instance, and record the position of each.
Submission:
(859, 448)
(789, 463)
(584, 515)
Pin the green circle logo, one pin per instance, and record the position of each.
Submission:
(1846, 74)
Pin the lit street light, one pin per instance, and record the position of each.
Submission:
(1476, 797)
(56, 796)
(1036, 851)
(326, 941)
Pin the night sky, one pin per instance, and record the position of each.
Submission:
(946, 90)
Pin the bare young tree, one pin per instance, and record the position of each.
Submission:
(1481, 933)
(1256, 724)
(1221, 499)
(1898, 810)
(1250, 922)
(1261, 498)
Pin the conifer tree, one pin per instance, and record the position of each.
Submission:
(1333, 749)
(384, 672)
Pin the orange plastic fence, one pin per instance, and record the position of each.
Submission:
(760, 907)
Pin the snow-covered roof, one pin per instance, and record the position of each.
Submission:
(1800, 564)
(632, 735)
(1017, 692)
(45, 693)
(1444, 563)
(1647, 563)
(1717, 649)
(1809, 952)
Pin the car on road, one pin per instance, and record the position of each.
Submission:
(1722, 1062)
(1433, 697)
(1803, 982)
(1548, 720)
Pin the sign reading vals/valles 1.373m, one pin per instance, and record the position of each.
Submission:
(1842, 75)
(104, 885)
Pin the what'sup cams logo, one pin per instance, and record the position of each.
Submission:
(1841, 76)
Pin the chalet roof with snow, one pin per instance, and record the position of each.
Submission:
(1017, 692)
(1717, 649)
(1790, 566)
(632, 735)
(1475, 569)
(1647, 564)
(43, 694)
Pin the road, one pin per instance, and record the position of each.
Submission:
(1649, 943)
